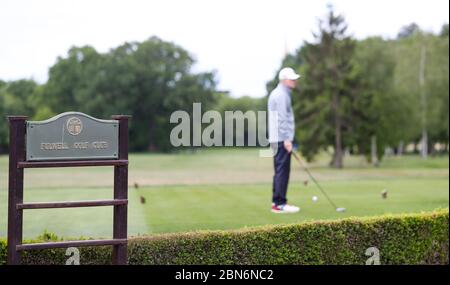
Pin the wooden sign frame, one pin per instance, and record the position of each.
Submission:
(16, 206)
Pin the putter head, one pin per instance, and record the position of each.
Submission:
(340, 210)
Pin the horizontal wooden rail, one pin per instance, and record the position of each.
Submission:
(75, 163)
(65, 244)
(71, 204)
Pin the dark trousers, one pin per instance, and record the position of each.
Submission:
(282, 167)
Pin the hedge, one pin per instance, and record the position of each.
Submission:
(401, 239)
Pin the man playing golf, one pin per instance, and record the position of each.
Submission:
(281, 136)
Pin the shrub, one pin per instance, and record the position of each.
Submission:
(401, 239)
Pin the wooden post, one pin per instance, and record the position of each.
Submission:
(119, 256)
(15, 186)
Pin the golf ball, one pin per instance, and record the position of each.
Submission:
(314, 198)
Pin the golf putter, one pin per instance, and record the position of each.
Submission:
(338, 209)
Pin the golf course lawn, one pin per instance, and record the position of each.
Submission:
(224, 189)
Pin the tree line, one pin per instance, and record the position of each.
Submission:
(370, 95)
(148, 80)
(358, 96)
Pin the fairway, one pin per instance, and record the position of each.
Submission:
(224, 189)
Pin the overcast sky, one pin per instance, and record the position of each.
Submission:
(243, 40)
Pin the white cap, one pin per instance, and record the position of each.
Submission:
(288, 73)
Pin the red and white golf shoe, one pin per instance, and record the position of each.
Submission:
(284, 209)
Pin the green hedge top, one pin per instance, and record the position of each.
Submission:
(396, 239)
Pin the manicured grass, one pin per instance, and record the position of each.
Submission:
(224, 189)
(73, 222)
(181, 208)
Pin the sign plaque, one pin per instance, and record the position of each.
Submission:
(72, 136)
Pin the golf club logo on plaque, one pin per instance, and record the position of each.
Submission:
(74, 126)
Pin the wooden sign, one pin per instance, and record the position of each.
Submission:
(68, 140)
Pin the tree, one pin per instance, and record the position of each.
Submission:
(15, 99)
(421, 78)
(444, 31)
(408, 31)
(3, 125)
(148, 80)
(378, 112)
(437, 89)
(73, 80)
(329, 86)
